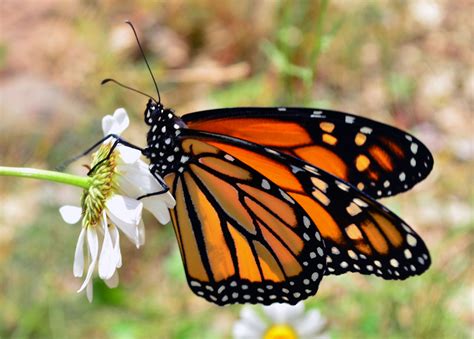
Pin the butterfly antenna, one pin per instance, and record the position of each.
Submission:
(144, 58)
(103, 82)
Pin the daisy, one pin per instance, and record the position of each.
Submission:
(110, 205)
(282, 321)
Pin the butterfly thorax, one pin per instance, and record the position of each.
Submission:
(163, 151)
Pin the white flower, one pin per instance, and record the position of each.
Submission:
(283, 321)
(110, 205)
(427, 12)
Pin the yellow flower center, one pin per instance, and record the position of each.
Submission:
(280, 331)
(102, 185)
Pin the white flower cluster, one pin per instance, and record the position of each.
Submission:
(121, 211)
(281, 321)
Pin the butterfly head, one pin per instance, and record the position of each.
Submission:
(154, 110)
(165, 127)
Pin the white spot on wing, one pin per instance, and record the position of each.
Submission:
(229, 157)
(265, 184)
(349, 119)
(394, 262)
(411, 240)
(342, 186)
(360, 202)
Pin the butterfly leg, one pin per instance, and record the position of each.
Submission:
(162, 183)
(118, 140)
(90, 149)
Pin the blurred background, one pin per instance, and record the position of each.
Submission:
(406, 63)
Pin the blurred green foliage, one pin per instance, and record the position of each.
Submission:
(382, 59)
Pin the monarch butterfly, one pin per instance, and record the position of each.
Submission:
(269, 200)
(256, 223)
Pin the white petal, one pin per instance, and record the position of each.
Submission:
(113, 281)
(241, 330)
(78, 268)
(93, 244)
(125, 209)
(107, 258)
(168, 199)
(310, 324)
(158, 208)
(121, 118)
(71, 214)
(135, 179)
(128, 155)
(140, 234)
(89, 291)
(115, 234)
(115, 124)
(251, 318)
(284, 313)
(107, 124)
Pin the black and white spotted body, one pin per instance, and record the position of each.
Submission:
(164, 153)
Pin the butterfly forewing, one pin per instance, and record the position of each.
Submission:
(242, 238)
(378, 159)
(360, 235)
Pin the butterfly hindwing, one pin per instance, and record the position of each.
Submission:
(360, 234)
(242, 238)
(378, 159)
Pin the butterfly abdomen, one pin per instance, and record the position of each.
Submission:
(163, 151)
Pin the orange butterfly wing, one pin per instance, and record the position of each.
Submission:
(242, 238)
(378, 159)
(360, 235)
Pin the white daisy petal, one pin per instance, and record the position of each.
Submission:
(305, 325)
(125, 209)
(115, 124)
(158, 208)
(93, 244)
(284, 313)
(242, 331)
(126, 223)
(115, 234)
(128, 155)
(140, 234)
(121, 118)
(168, 199)
(78, 268)
(107, 124)
(251, 319)
(312, 322)
(107, 258)
(71, 214)
(136, 179)
(113, 281)
(89, 291)
(130, 230)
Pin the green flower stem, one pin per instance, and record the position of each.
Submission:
(34, 173)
